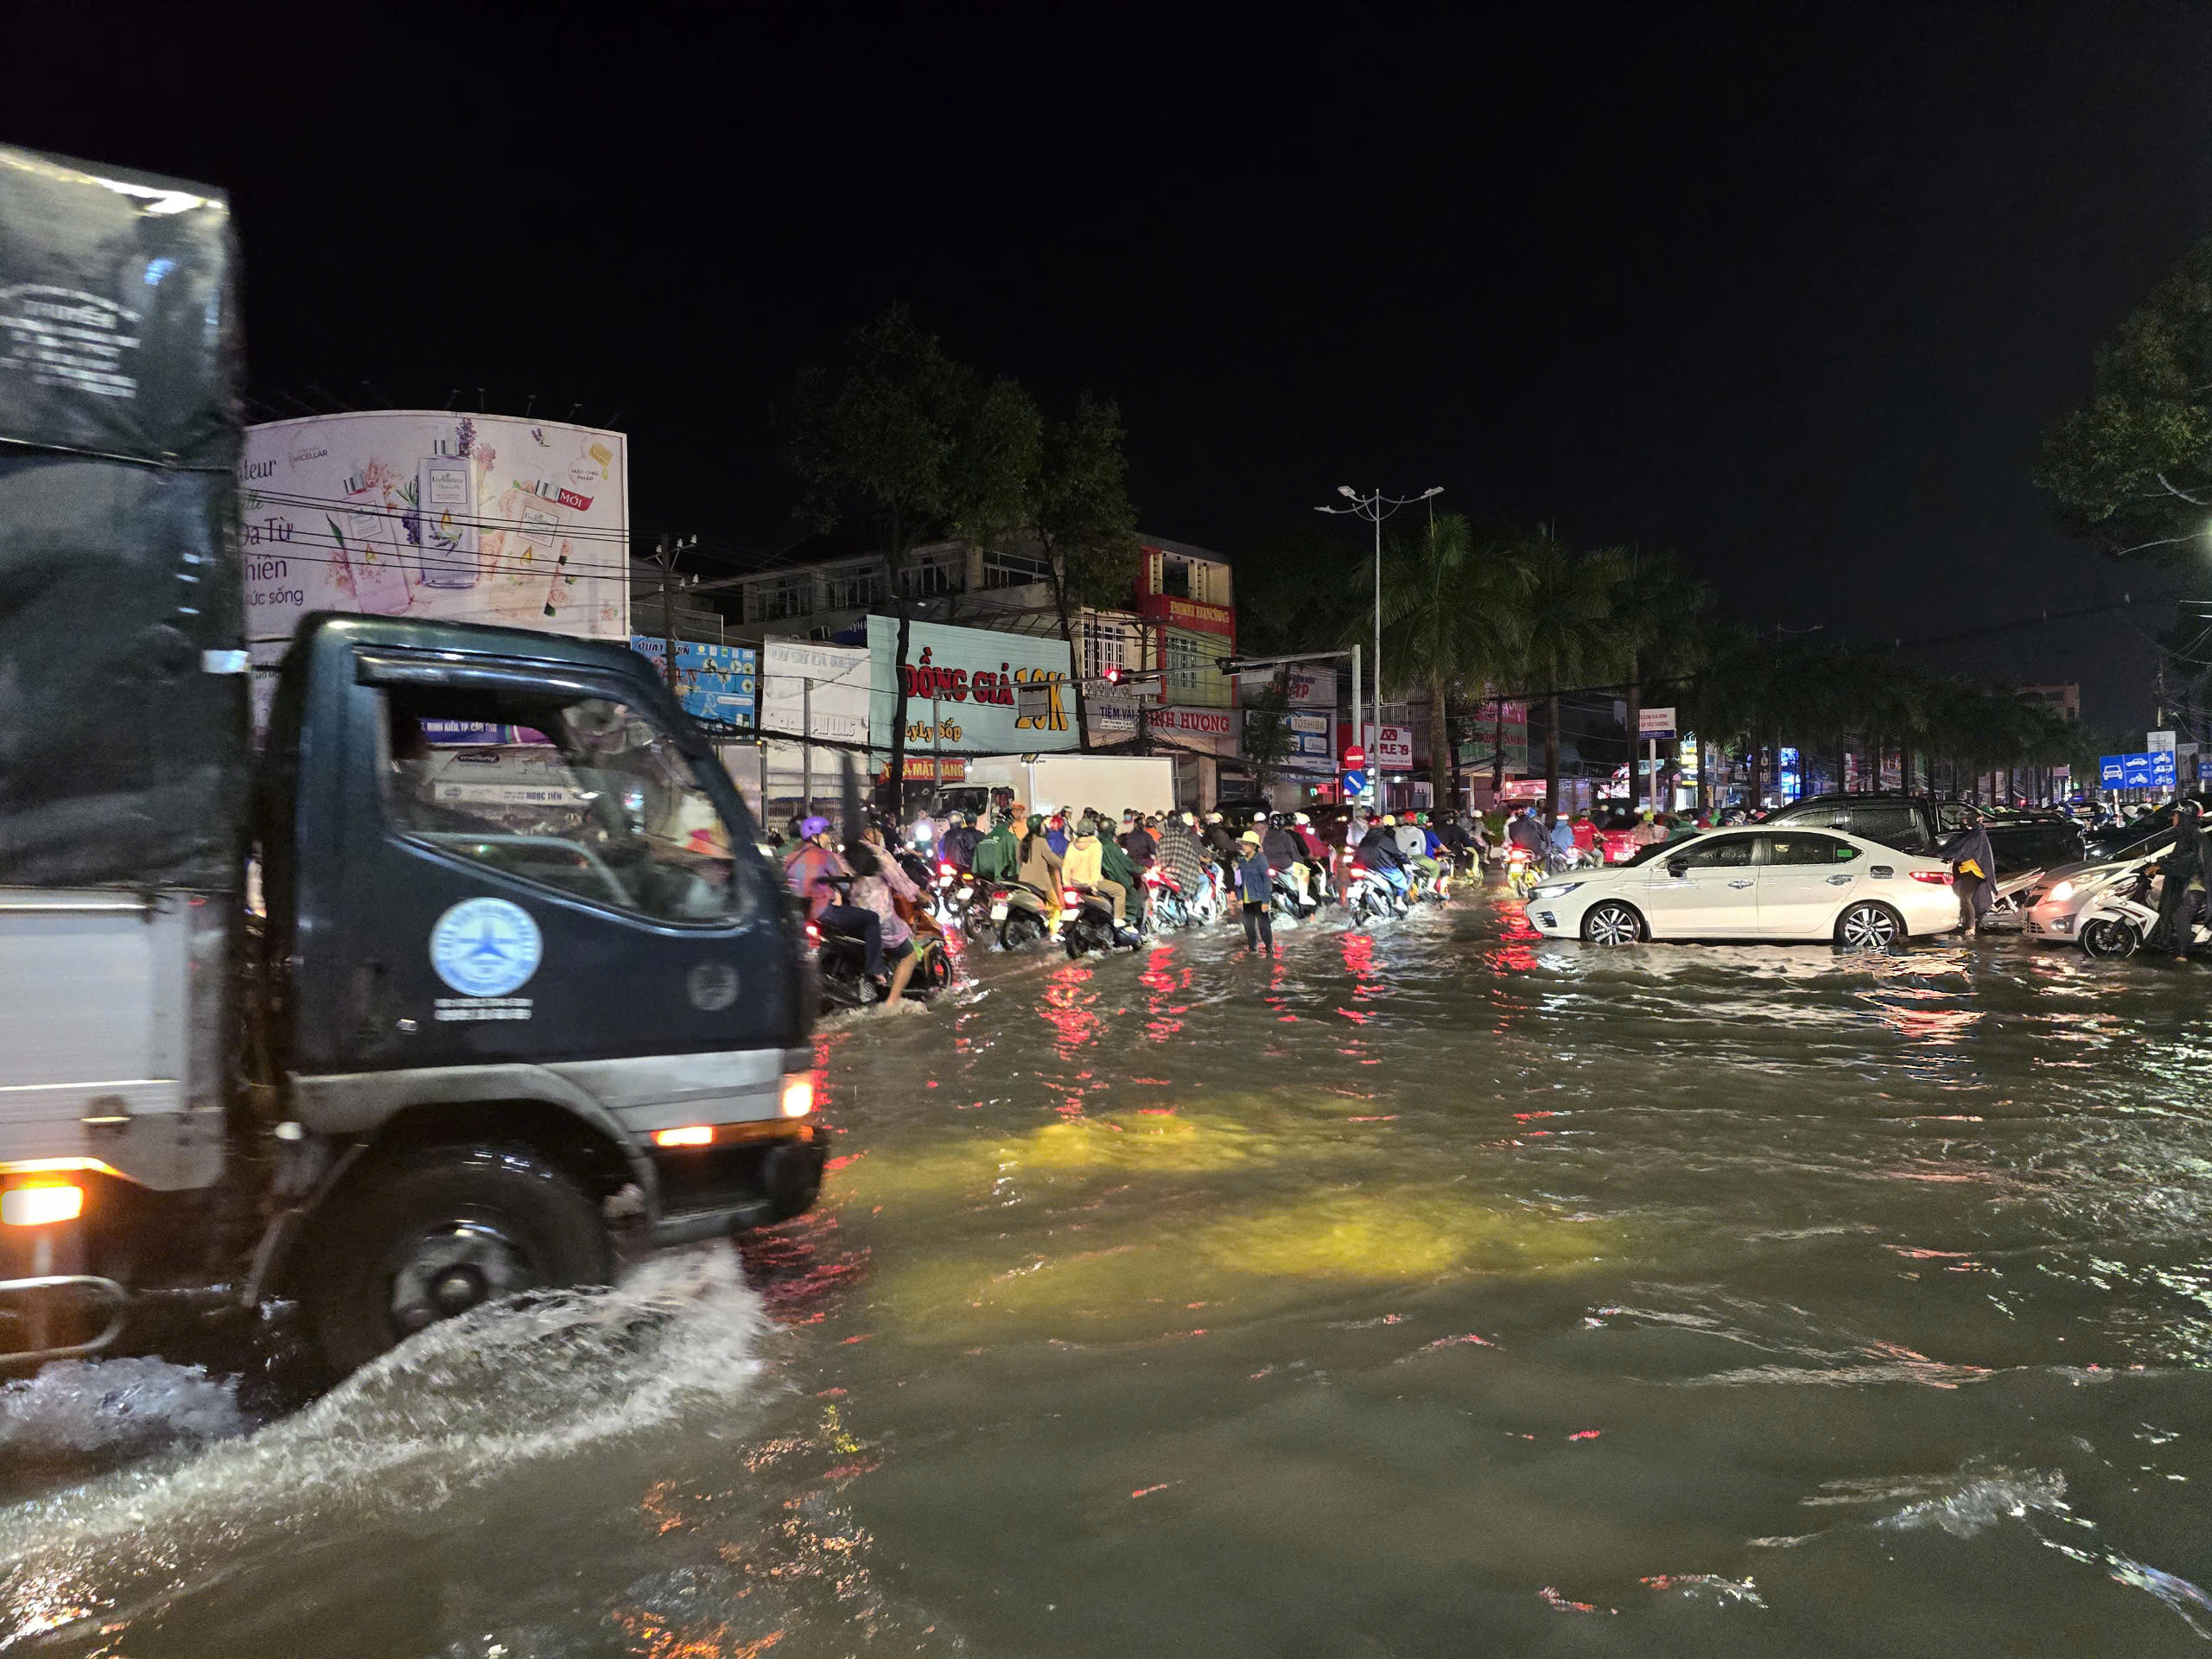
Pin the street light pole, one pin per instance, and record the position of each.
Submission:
(1375, 508)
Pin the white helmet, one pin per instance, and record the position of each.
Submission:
(1299, 818)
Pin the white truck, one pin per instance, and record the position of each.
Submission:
(1112, 783)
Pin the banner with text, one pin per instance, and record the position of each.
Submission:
(960, 690)
(457, 517)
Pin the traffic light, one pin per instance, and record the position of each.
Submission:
(1113, 674)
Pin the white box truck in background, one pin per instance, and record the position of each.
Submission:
(1112, 783)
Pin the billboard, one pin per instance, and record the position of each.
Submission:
(1391, 751)
(827, 686)
(960, 688)
(454, 517)
(714, 684)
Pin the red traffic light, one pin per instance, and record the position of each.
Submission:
(1113, 675)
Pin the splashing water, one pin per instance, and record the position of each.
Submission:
(548, 1374)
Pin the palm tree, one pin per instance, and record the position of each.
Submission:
(1566, 636)
(1655, 624)
(1450, 619)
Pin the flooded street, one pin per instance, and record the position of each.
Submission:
(1435, 1291)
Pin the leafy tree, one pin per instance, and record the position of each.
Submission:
(2130, 469)
(1656, 611)
(911, 446)
(1267, 729)
(1294, 594)
(1077, 511)
(1451, 619)
(1566, 634)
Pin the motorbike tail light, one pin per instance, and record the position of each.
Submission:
(1934, 878)
(1152, 878)
(813, 934)
(1360, 869)
(1070, 904)
(42, 1204)
(946, 869)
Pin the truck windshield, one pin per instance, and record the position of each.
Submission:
(584, 795)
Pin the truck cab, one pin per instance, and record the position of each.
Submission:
(520, 951)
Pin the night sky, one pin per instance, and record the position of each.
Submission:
(1792, 292)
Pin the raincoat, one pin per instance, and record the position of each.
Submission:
(998, 854)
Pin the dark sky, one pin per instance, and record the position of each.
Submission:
(1789, 289)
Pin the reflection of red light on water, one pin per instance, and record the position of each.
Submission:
(1066, 1007)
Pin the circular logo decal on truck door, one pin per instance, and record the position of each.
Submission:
(485, 947)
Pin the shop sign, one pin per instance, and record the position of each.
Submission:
(1189, 614)
(714, 684)
(960, 688)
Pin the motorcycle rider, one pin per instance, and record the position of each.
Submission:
(1315, 853)
(1413, 844)
(2183, 868)
(807, 870)
(1378, 850)
(1139, 842)
(1038, 867)
(1584, 836)
(1526, 833)
(1287, 856)
(997, 855)
(1117, 868)
(1561, 839)
(957, 848)
(1182, 857)
(1083, 865)
(881, 883)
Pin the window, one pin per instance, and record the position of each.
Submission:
(1809, 849)
(1895, 826)
(1107, 644)
(1817, 817)
(580, 794)
(853, 590)
(1715, 852)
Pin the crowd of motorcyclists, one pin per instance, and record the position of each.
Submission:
(1111, 880)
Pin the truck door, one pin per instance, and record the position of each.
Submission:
(537, 866)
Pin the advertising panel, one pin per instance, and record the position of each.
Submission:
(828, 686)
(458, 518)
(1390, 751)
(1188, 614)
(960, 689)
(1311, 687)
(714, 684)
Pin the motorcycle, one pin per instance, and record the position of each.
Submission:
(1284, 900)
(1368, 897)
(2117, 922)
(1087, 923)
(1522, 872)
(1166, 904)
(1017, 910)
(841, 959)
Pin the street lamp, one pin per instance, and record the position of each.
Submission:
(1375, 508)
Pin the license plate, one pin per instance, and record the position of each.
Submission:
(998, 912)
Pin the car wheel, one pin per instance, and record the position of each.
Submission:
(1869, 927)
(439, 1231)
(1612, 924)
(2108, 936)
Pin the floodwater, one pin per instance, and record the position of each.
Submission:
(1435, 1291)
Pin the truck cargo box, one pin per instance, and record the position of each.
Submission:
(123, 694)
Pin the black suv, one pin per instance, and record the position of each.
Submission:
(1913, 824)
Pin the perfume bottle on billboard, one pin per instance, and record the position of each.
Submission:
(446, 498)
(366, 561)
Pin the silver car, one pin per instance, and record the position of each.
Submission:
(2054, 910)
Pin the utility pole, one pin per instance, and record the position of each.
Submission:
(1375, 508)
(665, 556)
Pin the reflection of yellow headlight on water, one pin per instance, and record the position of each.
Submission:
(1391, 1237)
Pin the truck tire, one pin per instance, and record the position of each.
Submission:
(436, 1231)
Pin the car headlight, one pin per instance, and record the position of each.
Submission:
(1555, 889)
(2062, 892)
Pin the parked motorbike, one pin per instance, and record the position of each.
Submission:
(1087, 923)
(2118, 921)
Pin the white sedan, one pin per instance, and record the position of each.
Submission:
(1753, 884)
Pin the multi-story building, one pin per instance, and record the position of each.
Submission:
(1180, 622)
(2059, 699)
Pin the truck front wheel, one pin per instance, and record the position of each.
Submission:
(436, 1231)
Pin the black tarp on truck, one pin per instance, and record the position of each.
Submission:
(123, 694)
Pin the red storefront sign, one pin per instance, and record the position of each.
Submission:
(1195, 722)
(1188, 613)
(932, 769)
